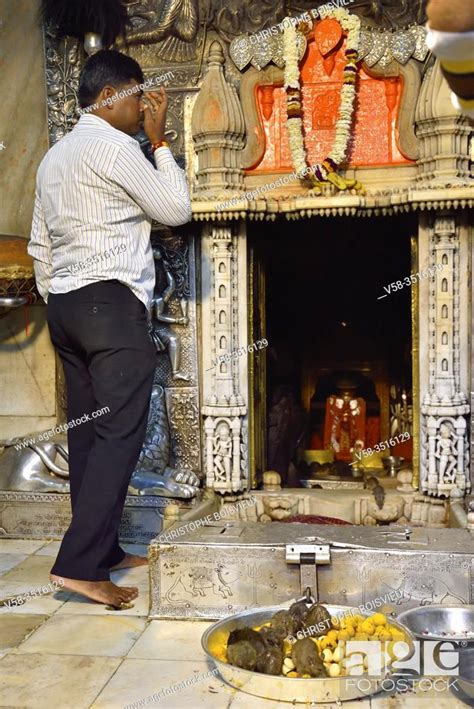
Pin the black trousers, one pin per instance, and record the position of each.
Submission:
(100, 333)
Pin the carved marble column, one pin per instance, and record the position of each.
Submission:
(444, 350)
(443, 134)
(224, 330)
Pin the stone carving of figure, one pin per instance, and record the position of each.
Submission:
(222, 452)
(447, 454)
(286, 428)
(174, 23)
(401, 413)
(153, 476)
(344, 425)
(163, 338)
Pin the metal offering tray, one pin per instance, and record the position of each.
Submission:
(288, 689)
(440, 622)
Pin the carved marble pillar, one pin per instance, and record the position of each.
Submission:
(443, 134)
(224, 330)
(444, 346)
(219, 132)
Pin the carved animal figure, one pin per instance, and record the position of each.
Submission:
(174, 24)
(199, 580)
(152, 475)
(35, 468)
(426, 590)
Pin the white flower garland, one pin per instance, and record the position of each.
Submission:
(325, 171)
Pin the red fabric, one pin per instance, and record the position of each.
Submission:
(315, 519)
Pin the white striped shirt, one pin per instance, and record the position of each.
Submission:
(96, 196)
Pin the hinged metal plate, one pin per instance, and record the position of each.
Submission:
(296, 553)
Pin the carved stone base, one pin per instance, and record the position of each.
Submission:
(29, 515)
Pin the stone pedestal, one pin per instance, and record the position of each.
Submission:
(29, 515)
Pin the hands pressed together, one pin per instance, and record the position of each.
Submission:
(155, 105)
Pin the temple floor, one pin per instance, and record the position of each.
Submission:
(61, 650)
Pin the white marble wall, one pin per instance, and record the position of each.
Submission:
(27, 362)
(27, 374)
(23, 116)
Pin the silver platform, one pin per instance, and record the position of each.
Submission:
(229, 567)
(37, 515)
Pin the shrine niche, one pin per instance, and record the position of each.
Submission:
(409, 151)
(377, 138)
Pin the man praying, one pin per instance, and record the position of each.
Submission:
(96, 196)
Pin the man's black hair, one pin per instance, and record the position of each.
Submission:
(106, 68)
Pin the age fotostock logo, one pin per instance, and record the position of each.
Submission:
(430, 658)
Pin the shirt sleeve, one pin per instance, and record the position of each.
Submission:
(162, 193)
(455, 51)
(39, 247)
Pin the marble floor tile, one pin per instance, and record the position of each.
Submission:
(171, 640)
(139, 679)
(139, 549)
(21, 546)
(419, 699)
(137, 576)
(108, 636)
(249, 701)
(9, 561)
(34, 570)
(78, 605)
(47, 603)
(49, 549)
(62, 681)
(15, 628)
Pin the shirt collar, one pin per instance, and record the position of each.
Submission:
(88, 119)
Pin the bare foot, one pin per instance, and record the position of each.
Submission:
(129, 561)
(100, 591)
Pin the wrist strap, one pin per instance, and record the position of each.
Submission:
(160, 144)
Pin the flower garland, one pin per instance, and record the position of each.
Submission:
(325, 171)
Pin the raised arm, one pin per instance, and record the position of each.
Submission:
(162, 192)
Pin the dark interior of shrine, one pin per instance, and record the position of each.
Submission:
(337, 325)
